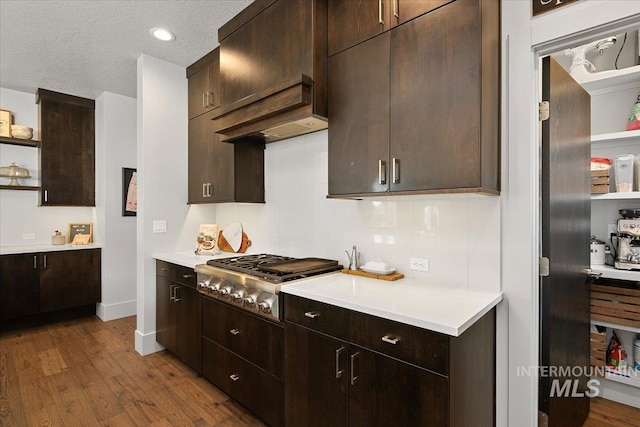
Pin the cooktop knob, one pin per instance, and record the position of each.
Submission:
(237, 296)
(225, 291)
(265, 306)
(250, 301)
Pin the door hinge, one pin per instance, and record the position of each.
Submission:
(543, 111)
(543, 266)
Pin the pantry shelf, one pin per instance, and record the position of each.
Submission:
(632, 195)
(627, 376)
(615, 326)
(607, 79)
(613, 273)
(615, 139)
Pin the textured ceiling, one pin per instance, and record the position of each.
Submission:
(87, 47)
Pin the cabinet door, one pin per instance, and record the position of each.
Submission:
(359, 117)
(19, 285)
(69, 279)
(198, 86)
(386, 392)
(188, 326)
(316, 379)
(435, 98)
(201, 138)
(67, 154)
(213, 70)
(351, 22)
(165, 314)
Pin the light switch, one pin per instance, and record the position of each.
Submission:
(159, 226)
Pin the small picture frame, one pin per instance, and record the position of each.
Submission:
(129, 192)
(80, 234)
(5, 123)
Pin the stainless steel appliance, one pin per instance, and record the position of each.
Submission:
(627, 240)
(253, 282)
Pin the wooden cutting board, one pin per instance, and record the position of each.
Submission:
(388, 277)
(300, 265)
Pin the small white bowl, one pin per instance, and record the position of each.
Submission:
(21, 132)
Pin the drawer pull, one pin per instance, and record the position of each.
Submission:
(338, 370)
(187, 276)
(235, 331)
(389, 339)
(312, 314)
(234, 377)
(354, 377)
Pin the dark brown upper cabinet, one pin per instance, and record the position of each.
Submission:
(67, 152)
(219, 171)
(273, 70)
(204, 89)
(417, 109)
(352, 22)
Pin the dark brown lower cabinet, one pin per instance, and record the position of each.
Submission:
(36, 283)
(179, 313)
(406, 376)
(242, 355)
(19, 285)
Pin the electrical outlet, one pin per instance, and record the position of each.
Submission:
(159, 226)
(419, 264)
(611, 229)
(29, 236)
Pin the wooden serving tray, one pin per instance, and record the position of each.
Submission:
(388, 277)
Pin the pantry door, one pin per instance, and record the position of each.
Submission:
(566, 225)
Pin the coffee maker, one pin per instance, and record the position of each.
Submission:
(627, 240)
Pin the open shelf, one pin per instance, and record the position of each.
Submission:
(615, 326)
(615, 139)
(613, 273)
(19, 187)
(632, 195)
(610, 78)
(22, 142)
(627, 376)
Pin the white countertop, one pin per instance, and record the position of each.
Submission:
(28, 249)
(189, 258)
(441, 309)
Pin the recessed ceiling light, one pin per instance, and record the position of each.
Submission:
(162, 34)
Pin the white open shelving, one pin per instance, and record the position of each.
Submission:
(613, 273)
(632, 195)
(626, 375)
(606, 79)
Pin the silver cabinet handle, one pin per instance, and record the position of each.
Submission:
(187, 276)
(209, 189)
(395, 9)
(391, 340)
(382, 172)
(380, 12)
(176, 297)
(204, 190)
(204, 105)
(209, 99)
(234, 377)
(46, 195)
(354, 377)
(44, 261)
(395, 171)
(312, 314)
(235, 331)
(338, 370)
(35, 262)
(172, 297)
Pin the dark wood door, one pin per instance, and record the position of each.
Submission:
(67, 152)
(435, 95)
(351, 22)
(188, 326)
(359, 117)
(19, 285)
(316, 378)
(566, 217)
(165, 314)
(402, 11)
(387, 392)
(201, 138)
(69, 279)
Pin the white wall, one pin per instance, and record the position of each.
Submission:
(115, 149)
(458, 234)
(19, 211)
(162, 182)
(522, 36)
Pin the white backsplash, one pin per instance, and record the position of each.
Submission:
(458, 234)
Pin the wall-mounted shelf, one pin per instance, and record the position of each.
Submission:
(21, 142)
(613, 273)
(615, 139)
(627, 376)
(615, 326)
(607, 79)
(19, 187)
(632, 195)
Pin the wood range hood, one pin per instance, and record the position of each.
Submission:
(273, 71)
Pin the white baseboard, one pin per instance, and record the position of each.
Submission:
(146, 343)
(119, 310)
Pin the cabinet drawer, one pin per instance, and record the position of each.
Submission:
(261, 393)
(165, 269)
(409, 343)
(185, 275)
(316, 315)
(240, 332)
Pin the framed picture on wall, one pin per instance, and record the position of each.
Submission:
(129, 192)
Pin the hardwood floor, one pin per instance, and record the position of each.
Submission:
(605, 413)
(86, 372)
